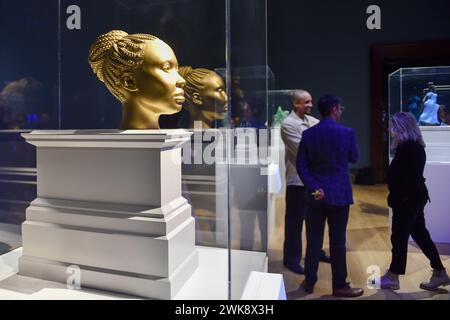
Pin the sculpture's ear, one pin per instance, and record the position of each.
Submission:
(197, 99)
(128, 82)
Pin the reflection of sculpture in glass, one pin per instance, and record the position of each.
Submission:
(429, 116)
(23, 103)
(141, 71)
(206, 98)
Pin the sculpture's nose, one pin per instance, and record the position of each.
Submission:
(180, 81)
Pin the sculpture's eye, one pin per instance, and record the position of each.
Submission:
(167, 67)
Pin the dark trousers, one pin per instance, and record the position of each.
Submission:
(337, 219)
(411, 222)
(296, 197)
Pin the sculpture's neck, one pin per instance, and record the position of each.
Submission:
(207, 117)
(138, 116)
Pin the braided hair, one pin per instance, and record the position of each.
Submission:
(115, 53)
(194, 80)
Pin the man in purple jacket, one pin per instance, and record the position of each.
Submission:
(323, 165)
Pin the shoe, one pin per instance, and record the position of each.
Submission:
(389, 281)
(324, 257)
(307, 287)
(438, 278)
(296, 268)
(348, 292)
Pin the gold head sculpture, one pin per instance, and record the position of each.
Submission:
(141, 71)
(206, 98)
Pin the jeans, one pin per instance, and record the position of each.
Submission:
(337, 219)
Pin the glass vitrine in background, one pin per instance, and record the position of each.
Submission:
(28, 101)
(425, 92)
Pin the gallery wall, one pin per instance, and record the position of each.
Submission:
(324, 47)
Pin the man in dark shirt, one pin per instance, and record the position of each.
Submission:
(323, 165)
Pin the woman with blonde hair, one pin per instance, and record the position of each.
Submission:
(408, 196)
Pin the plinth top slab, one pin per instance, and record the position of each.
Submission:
(435, 128)
(108, 138)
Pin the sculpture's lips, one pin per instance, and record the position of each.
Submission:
(180, 99)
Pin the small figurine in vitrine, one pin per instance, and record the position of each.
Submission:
(429, 116)
(430, 88)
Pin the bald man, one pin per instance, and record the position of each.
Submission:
(296, 194)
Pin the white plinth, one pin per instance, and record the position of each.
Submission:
(437, 175)
(437, 213)
(209, 281)
(437, 140)
(110, 203)
(264, 286)
(205, 178)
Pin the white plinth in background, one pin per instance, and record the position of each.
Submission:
(437, 212)
(437, 175)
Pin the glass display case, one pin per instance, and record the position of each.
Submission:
(425, 92)
(55, 89)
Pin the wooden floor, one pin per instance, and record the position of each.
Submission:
(368, 243)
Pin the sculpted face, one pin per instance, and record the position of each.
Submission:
(213, 95)
(157, 81)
